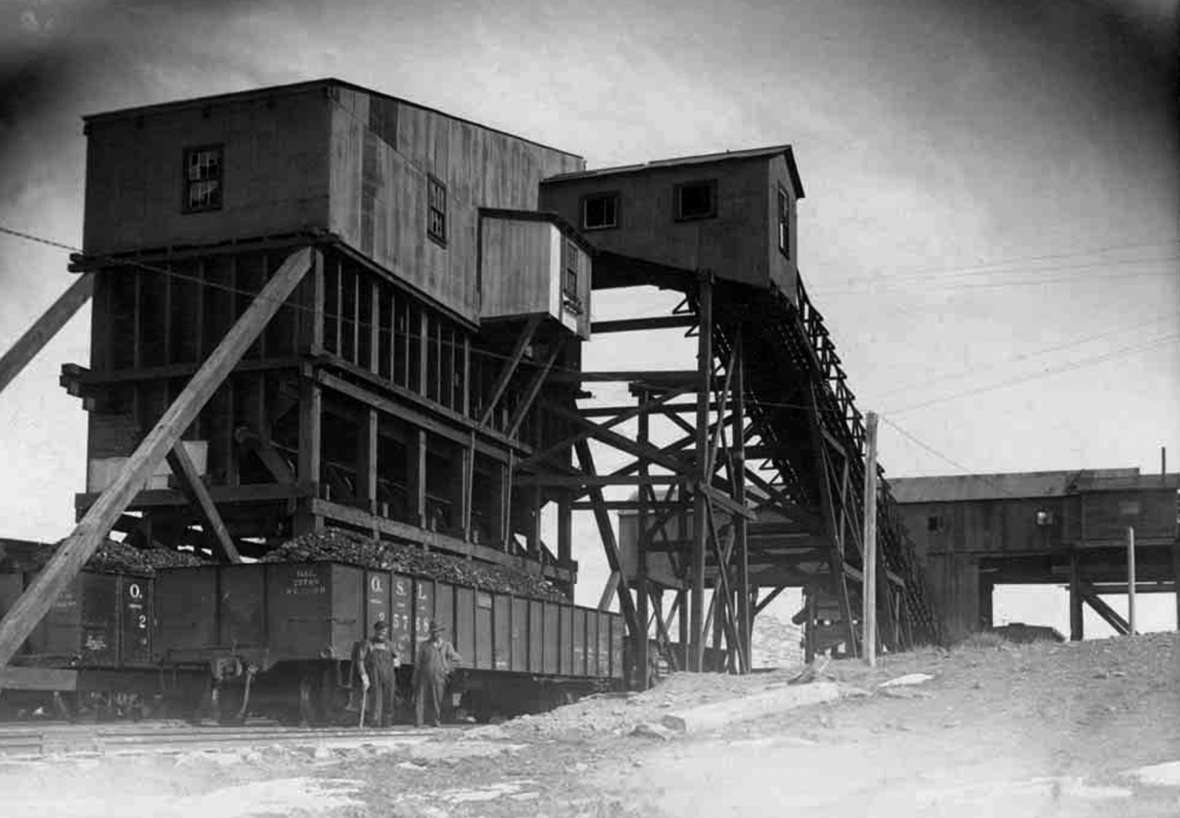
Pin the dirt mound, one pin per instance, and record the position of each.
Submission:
(337, 545)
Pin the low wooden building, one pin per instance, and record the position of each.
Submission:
(973, 532)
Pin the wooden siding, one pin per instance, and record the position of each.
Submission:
(986, 526)
(733, 244)
(523, 269)
(954, 586)
(379, 185)
(275, 172)
(1107, 514)
(1008, 527)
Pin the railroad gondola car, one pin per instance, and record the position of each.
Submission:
(281, 637)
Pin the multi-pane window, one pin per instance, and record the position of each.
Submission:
(696, 200)
(202, 178)
(600, 211)
(784, 223)
(436, 213)
(570, 281)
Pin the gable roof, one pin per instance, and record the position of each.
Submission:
(687, 161)
(1009, 486)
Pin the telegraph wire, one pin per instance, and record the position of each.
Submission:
(360, 322)
(1066, 367)
(1159, 319)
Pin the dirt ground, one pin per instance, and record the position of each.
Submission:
(1034, 730)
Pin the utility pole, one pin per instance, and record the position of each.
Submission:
(868, 619)
(1131, 579)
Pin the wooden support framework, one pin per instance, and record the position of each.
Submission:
(72, 554)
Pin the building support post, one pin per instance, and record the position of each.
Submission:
(1076, 620)
(641, 543)
(740, 523)
(1131, 579)
(869, 586)
(700, 509)
(1176, 578)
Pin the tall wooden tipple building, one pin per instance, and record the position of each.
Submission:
(395, 387)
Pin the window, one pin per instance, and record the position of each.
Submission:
(784, 223)
(934, 523)
(436, 211)
(600, 211)
(202, 178)
(570, 281)
(696, 200)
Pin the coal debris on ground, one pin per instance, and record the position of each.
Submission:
(336, 545)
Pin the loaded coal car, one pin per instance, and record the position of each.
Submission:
(92, 654)
(280, 638)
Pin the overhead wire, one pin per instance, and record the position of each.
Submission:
(361, 322)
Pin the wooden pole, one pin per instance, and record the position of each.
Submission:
(738, 476)
(868, 618)
(1076, 620)
(641, 540)
(1131, 579)
(699, 524)
(44, 328)
(72, 554)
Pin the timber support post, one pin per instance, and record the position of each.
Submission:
(703, 479)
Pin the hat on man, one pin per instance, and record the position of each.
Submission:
(380, 626)
(436, 628)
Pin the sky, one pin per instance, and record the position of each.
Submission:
(990, 227)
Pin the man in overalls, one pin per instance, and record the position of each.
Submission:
(378, 668)
(433, 664)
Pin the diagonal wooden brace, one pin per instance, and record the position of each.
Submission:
(72, 554)
(44, 328)
(192, 485)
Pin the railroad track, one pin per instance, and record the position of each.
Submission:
(79, 740)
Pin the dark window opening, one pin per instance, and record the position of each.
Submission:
(202, 178)
(696, 200)
(784, 223)
(600, 211)
(934, 523)
(436, 216)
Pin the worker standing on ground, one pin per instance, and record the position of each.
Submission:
(378, 669)
(433, 664)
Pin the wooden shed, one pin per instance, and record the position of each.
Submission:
(733, 214)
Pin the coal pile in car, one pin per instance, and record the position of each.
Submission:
(335, 545)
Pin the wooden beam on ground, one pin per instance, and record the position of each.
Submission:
(44, 328)
(72, 554)
(191, 484)
(522, 342)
